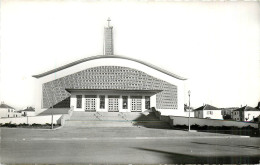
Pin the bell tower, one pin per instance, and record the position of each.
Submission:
(108, 48)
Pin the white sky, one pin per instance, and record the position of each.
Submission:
(216, 45)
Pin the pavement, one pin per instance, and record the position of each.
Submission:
(125, 146)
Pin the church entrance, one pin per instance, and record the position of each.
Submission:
(136, 104)
(113, 104)
(90, 103)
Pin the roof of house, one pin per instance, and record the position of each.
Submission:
(258, 105)
(107, 56)
(247, 108)
(206, 107)
(5, 106)
(31, 109)
(229, 108)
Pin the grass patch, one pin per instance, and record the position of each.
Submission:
(248, 131)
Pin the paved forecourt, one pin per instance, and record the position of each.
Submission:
(125, 145)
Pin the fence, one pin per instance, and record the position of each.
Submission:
(32, 120)
(178, 120)
(57, 119)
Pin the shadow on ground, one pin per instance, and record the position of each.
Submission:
(150, 121)
(173, 157)
(240, 146)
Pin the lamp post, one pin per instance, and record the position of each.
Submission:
(189, 110)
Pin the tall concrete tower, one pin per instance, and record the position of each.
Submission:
(108, 39)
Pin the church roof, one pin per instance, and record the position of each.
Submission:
(5, 106)
(107, 56)
(206, 107)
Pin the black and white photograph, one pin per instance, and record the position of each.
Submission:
(129, 82)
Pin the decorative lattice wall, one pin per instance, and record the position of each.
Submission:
(108, 77)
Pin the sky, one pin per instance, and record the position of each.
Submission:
(216, 45)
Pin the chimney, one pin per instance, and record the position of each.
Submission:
(108, 48)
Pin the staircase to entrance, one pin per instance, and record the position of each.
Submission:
(115, 119)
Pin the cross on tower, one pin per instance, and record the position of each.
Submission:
(108, 21)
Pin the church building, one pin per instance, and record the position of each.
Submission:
(110, 83)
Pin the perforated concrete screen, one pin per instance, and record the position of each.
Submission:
(108, 77)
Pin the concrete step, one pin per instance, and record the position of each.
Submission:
(116, 123)
(98, 124)
(83, 113)
(86, 118)
(115, 119)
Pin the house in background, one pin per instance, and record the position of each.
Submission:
(8, 111)
(208, 112)
(258, 106)
(29, 111)
(227, 112)
(245, 113)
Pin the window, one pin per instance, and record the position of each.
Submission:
(147, 102)
(79, 101)
(209, 112)
(102, 102)
(125, 102)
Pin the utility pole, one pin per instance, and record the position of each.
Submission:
(189, 110)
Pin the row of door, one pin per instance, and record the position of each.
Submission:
(113, 104)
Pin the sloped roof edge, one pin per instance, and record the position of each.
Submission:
(107, 56)
(5, 106)
(206, 107)
(247, 108)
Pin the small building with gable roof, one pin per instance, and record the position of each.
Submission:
(208, 111)
(245, 113)
(7, 111)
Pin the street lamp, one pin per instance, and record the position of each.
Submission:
(189, 109)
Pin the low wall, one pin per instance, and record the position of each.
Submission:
(177, 120)
(186, 114)
(65, 117)
(32, 120)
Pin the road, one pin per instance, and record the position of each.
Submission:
(125, 146)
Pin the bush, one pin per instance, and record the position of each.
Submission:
(24, 124)
(34, 124)
(9, 125)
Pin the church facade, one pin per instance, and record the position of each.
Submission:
(110, 83)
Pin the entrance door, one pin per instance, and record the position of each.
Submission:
(90, 103)
(136, 104)
(113, 104)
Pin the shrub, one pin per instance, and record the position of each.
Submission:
(34, 124)
(23, 124)
(9, 125)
